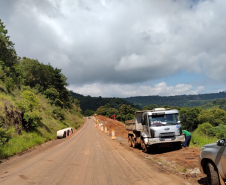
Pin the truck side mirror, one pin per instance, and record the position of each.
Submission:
(221, 142)
(184, 118)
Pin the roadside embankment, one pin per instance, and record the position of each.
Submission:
(21, 131)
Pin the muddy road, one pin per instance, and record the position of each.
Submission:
(87, 157)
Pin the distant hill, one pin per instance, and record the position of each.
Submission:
(93, 103)
(177, 100)
(218, 103)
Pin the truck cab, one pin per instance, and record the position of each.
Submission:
(155, 127)
(161, 125)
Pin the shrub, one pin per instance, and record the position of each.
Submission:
(129, 116)
(52, 94)
(4, 136)
(58, 103)
(203, 128)
(9, 84)
(219, 131)
(32, 118)
(30, 102)
(58, 113)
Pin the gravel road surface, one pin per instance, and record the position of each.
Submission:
(87, 157)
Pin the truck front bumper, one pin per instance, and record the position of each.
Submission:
(151, 141)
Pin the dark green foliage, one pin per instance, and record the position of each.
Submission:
(129, 116)
(32, 118)
(219, 103)
(8, 60)
(204, 128)
(219, 131)
(30, 102)
(178, 100)
(214, 116)
(47, 80)
(4, 136)
(101, 111)
(93, 103)
(9, 84)
(191, 114)
(125, 112)
(7, 51)
(59, 114)
(30, 106)
(51, 94)
(89, 112)
(150, 107)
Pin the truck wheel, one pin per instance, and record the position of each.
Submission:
(143, 146)
(141, 143)
(130, 141)
(145, 149)
(134, 142)
(212, 174)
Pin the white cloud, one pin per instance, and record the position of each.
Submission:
(118, 90)
(121, 41)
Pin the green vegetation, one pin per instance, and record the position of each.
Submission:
(180, 100)
(218, 103)
(90, 104)
(198, 140)
(125, 112)
(34, 101)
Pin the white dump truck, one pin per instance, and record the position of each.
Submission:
(155, 127)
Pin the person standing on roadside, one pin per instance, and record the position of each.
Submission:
(187, 138)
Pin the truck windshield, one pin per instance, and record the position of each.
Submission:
(166, 119)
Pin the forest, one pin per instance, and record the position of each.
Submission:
(90, 104)
(34, 100)
(177, 100)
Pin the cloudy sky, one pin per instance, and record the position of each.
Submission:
(123, 48)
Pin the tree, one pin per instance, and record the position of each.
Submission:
(101, 111)
(191, 114)
(214, 116)
(219, 131)
(89, 112)
(203, 128)
(113, 111)
(8, 59)
(7, 52)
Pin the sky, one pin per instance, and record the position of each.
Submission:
(124, 48)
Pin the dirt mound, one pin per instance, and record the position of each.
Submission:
(118, 126)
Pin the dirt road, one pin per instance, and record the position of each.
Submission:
(87, 157)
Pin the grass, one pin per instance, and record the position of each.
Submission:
(182, 169)
(198, 140)
(44, 132)
(21, 143)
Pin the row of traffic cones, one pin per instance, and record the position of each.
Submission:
(104, 129)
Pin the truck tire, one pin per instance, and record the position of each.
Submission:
(143, 146)
(134, 144)
(130, 141)
(145, 149)
(212, 174)
(141, 143)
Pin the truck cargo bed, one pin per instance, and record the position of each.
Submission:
(130, 124)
